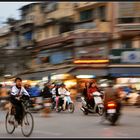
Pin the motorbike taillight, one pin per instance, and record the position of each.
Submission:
(111, 105)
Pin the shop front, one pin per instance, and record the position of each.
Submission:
(124, 67)
(126, 76)
(84, 75)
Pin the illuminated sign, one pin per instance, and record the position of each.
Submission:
(129, 56)
(90, 61)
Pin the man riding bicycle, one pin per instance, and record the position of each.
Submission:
(18, 91)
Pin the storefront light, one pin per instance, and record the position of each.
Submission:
(60, 76)
(91, 61)
(85, 76)
(70, 83)
(45, 79)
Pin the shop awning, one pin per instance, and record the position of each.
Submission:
(96, 72)
(36, 75)
(63, 71)
(124, 72)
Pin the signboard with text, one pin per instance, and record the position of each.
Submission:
(127, 56)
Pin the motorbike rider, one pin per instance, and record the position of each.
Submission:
(62, 92)
(18, 91)
(111, 94)
(92, 88)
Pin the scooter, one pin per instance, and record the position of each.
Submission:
(112, 114)
(98, 107)
(69, 105)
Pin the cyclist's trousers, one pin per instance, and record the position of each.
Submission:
(19, 109)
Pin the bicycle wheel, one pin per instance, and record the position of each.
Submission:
(27, 124)
(9, 123)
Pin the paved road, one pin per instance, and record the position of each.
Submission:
(76, 125)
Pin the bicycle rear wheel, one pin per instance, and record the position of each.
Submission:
(27, 124)
(9, 123)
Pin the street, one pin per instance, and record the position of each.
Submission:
(66, 125)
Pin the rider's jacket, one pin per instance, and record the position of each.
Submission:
(62, 91)
(91, 91)
(19, 91)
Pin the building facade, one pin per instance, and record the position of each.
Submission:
(75, 42)
(124, 55)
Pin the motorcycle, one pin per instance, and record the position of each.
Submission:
(111, 113)
(69, 105)
(98, 107)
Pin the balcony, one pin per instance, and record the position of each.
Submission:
(73, 37)
(50, 20)
(26, 43)
(84, 4)
(87, 5)
(26, 22)
(128, 27)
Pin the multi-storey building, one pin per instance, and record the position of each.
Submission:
(73, 43)
(125, 52)
(11, 56)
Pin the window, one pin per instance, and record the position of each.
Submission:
(28, 36)
(66, 27)
(86, 15)
(60, 57)
(67, 55)
(128, 12)
(102, 13)
(56, 58)
(126, 44)
(126, 20)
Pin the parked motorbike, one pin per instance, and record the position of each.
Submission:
(112, 114)
(98, 107)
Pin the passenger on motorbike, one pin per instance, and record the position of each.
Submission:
(56, 94)
(18, 91)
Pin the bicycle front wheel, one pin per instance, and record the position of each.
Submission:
(9, 123)
(27, 124)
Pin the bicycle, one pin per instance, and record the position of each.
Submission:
(10, 120)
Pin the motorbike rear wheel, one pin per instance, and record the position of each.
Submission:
(113, 119)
